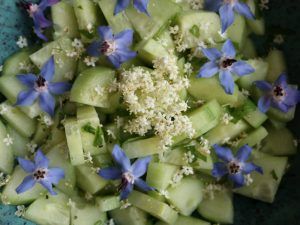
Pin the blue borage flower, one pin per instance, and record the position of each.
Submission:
(130, 174)
(225, 64)
(140, 5)
(39, 173)
(234, 167)
(279, 95)
(227, 8)
(41, 87)
(36, 12)
(115, 47)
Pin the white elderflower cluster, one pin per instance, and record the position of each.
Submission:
(180, 46)
(78, 49)
(164, 193)
(152, 97)
(178, 176)
(22, 42)
(204, 146)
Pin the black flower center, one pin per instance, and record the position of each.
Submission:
(40, 174)
(41, 82)
(25, 5)
(234, 167)
(278, 91)
(107, 47)
(126, 179)
(228, 62)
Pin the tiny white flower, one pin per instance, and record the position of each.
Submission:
(278, 39)
(88, 196)
(263, 5)
(22, 42)
(88, 157)
(174, 30)
(1, 68)
(71, 204)
(188, 68)
(125, 204)
(245, 92)
(20, 211)
(189, 157)
(111, 133)
(4, 179)
(8, 140)
(227, 118)
(164, 193)
(89, 27)
(176, 178)
(3, 109)
(31, 147)
(248, 179)
(77, 44)
(187, 170)
(47, 120)
(90, 61)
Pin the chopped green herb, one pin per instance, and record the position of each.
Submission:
(88, 128)
(242, 111)
(274, 175)
(98, 138)
(195, 31)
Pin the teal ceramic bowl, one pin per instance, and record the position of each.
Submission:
(282, 18)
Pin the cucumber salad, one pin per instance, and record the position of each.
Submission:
(142, 112)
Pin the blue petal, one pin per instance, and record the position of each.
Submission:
(292, 97)
(228, 49)
(243, 153)
(48, 69)
(105, 33)
(140, 166)
(94, 49)
(282, 81)
(121, 5)
(110, 173)
(264, 103)
(227, 16)
(55, 175)
(212, 54)
(227, 81)
(41, 161)
(26, 98)
(121, 56)
(121, 158)
(263, 85)
(26, 184)
(237, 179)
(209, 69)
(128, 189)
(141, 5)
(27, 79)
(26, 165)
(59, 88)
(124, 38)
(143, 185)
(223, 153)
(213, 5)
(38, 32)
(220, 169)
(241, 68)
(280, 106)
(47, 184)
(47, 103)
(41, 20)
(244, 10)
(250, 167)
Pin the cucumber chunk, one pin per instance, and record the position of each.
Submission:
(41, 133)
(154, 207)
(87, 214)
(72, 130)
(186, 196)
(92, 88)
(237, 32)
(219, 209)
(7, 158)
(159, 175)
(264, 187)
(108, 203)
(131, 215)
(9, 194)
(280, 116)
(277, 64)
(186, 220)
(64, 20)
(18, 120)
(254, 138)
(19, 142)
(49, 210)
(255, 118)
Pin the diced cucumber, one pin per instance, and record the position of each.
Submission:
(18, 120)
(65, 66)
(206, 23)
(237, 32)
(261, 69)
(249, 50)
(72, 130)
(280, 116)
(19, 142)
(87, 214)
(279, 142)
(264, 187)
(108, 203)
(6, 82)
(9, 194)
(7, 157)
(58, 157)
(49, 210)
(186, 220)
(131, 215)
(254, 138)
(64, 20)
(222, 132)
(161, 13)
(88, 180)
(165, 39)
(219, 209)
(255, 118)
(90, 83)
(154, 207)
(41, 133)
(186, 196)
(87, 118)
(117, 22)
(159, 175)
(102, 160)
(277, 64)
(200, 89)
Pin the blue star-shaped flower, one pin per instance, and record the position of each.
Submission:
(140, 5)
(227, 8)
(235, 167)
(225, 64)
(40, 86)
(115, 47)
(279, 95)
(39, 173)
(130, 174)
(36, 12)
